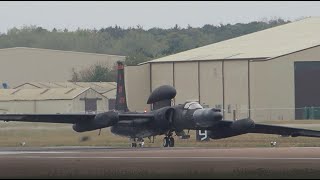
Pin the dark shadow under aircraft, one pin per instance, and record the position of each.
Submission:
(164, 119)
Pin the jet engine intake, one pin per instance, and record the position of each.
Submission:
(101, 120)
(207, 117)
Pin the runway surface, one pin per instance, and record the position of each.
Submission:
(101, 162)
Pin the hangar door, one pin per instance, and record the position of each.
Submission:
(307, 90)
(90, 104)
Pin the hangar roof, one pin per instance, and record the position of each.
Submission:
(101, 87)
(40, 94)
(269, 43)
(59, 51)
(110, 94)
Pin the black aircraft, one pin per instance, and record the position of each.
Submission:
(164, 119)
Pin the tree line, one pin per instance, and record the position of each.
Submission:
(137, 44)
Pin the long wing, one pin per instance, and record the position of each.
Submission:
(285, 131)
(48, 118)
(274, 129)
(70, 118)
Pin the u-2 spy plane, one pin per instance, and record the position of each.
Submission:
(164, 119)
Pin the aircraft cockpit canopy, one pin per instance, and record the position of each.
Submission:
(192, 105)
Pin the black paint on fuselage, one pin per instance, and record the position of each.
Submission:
(163, 123)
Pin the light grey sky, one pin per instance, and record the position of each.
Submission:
(96, 14)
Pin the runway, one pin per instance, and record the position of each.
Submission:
(101, 162)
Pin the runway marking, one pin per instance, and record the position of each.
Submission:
(33, 152)
(107, 157)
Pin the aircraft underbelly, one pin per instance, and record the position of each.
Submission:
(133, 132)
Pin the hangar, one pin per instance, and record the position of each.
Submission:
(20, 64)
(267, 75)
(107, 89)
(52, 101)
(101, 87)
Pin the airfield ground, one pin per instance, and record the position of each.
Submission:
(186, 162)
(13, 134)
(37, 150)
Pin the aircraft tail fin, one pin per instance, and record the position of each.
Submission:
(121, 99)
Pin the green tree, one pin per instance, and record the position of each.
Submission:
(137, 44)
(96, 73)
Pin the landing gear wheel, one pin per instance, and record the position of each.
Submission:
(133, 144)
(171, 142)
(166, 142)
(141, 144)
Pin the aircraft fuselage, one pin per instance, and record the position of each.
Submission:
(168, 119)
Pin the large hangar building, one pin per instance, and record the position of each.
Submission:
(20, 64)
(268, 75)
